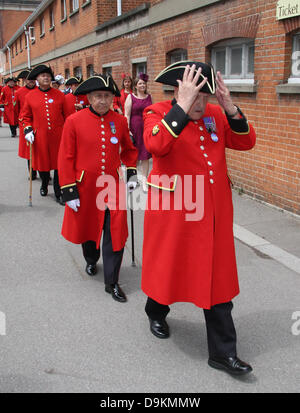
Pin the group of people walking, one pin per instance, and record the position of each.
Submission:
(186, 258)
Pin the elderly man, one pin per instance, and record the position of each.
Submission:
(43, 114)
(188, 251)
(94, 143)
(6, 104)
(19, 103)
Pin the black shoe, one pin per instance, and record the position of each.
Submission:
(59, 200)
(43, 191)
(231, 365)
(159, 328)
(91, 269)
(116, 292)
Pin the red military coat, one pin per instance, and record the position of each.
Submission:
(190, 260)
(1, 114)
(6, 99)
(19, 103)
(93, 147)
(45, 112)
(71, 100)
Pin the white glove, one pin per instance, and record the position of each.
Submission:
(131, 185)
(74, 204)
(29, 137)
(2, 109)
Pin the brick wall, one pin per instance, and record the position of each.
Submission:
(10, 20)
(271, 171)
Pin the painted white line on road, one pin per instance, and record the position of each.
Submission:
(252, 240)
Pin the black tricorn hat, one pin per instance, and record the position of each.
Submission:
(23, 74)
(174, 72)
(10, 78)
(74, 81)
(98, 82)
(38, 70)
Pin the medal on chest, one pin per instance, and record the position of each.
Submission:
(112, 127)
(211, 127)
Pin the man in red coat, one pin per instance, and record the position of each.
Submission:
(75, 102)
(43, 114)
(94, 143)
(1, 108)
(19, 101)
(6, 103)
(189, 221)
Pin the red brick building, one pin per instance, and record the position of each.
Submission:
(255, 44)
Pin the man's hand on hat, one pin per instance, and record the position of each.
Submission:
(187, 87)
(224, 98)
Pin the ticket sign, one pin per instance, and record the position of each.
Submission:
(287, 9)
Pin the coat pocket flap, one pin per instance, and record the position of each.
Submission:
(163, 182)
(79, 175)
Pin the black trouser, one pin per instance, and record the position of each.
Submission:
(45, 177)
(33, 174)
(221, 334)
(112, 260)
(13, 130)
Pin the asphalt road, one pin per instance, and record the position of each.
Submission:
(60, 331)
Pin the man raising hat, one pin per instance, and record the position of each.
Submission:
(6, 104)
(43, 114)
(19, 101)
(191, 236)
(94, 143)
(75, 102)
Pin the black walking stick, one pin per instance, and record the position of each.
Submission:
(133, 264)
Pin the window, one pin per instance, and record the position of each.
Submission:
(67, 73)
(51, 18)
(16, 48)
(77, 71)
(21, 46)
(295, 67)
(90, 70)
(138, 68)
(74, 5)
(234, 59)
(107, 70)
(42, 26)
(63, 7)
(176, 56)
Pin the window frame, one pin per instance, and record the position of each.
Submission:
(51, 18)
(63, 10)
(295, 78)
(88, 72)
(42, 26)
(228, 46)
(75, 71)
(171, 53)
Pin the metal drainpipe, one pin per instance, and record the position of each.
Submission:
(9, 59)
(119, 7)
(28, 47)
